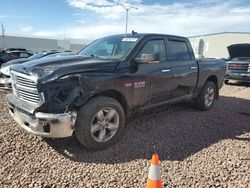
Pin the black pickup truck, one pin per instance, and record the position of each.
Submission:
(93, 93)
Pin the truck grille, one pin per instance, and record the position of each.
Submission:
(29, 97)
(25, 82)
(239, 67)
(25, 87)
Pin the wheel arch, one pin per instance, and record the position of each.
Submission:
(117, 96)
(214, 79)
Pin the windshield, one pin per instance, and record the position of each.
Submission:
(116, 47)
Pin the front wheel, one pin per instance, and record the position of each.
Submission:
(99, 122)
(205, 100)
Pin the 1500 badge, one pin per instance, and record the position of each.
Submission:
(137, 85)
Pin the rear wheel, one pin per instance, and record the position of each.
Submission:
(99, 123)
(205, 100)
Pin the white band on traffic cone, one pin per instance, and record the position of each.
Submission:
(154, 172)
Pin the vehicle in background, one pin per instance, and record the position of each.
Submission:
(93, 93)
(13, 53)
(238, 67)
(14, 49)
(33, 57)
(65, 53)
(5, 69)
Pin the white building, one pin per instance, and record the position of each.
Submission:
(215, 45)
(211, 45)
(39, 43)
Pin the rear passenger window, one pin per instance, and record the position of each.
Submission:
(178, 51)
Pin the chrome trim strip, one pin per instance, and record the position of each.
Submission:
(29, 77)
(192, 68)
(165, 70)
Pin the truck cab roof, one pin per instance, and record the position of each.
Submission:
(140, 35)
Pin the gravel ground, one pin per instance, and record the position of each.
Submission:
(197, 149)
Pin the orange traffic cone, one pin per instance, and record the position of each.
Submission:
(154, 175)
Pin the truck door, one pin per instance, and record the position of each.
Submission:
(152, 81)
(183, 66)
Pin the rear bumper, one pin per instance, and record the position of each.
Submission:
(43, 124)
(5, 83)
(238, 76)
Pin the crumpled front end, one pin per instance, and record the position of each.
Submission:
(24, 102)
(41, 124)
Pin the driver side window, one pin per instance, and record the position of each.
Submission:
(156, 47)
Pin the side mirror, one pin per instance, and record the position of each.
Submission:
(148, 59)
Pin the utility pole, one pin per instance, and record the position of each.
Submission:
(127, 9)
(64, 36)
(3, 33)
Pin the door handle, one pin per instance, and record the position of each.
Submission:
(165, 70)
(192, 68)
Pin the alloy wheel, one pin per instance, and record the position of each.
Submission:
(104, 124)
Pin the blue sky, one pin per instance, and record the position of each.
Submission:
(88, 19)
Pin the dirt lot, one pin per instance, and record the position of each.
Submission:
(197, 149)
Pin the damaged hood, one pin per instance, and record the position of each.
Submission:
(55, 67)
(239, 50)
(15, 61)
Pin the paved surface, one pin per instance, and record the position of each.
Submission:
(197, 149)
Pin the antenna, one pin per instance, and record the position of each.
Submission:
(134, 32)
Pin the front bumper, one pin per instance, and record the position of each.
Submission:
(238, 76)
(5, 83)
(42, 124)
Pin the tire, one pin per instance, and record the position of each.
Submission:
(226, 81)
(205, 101)
(94, 127)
